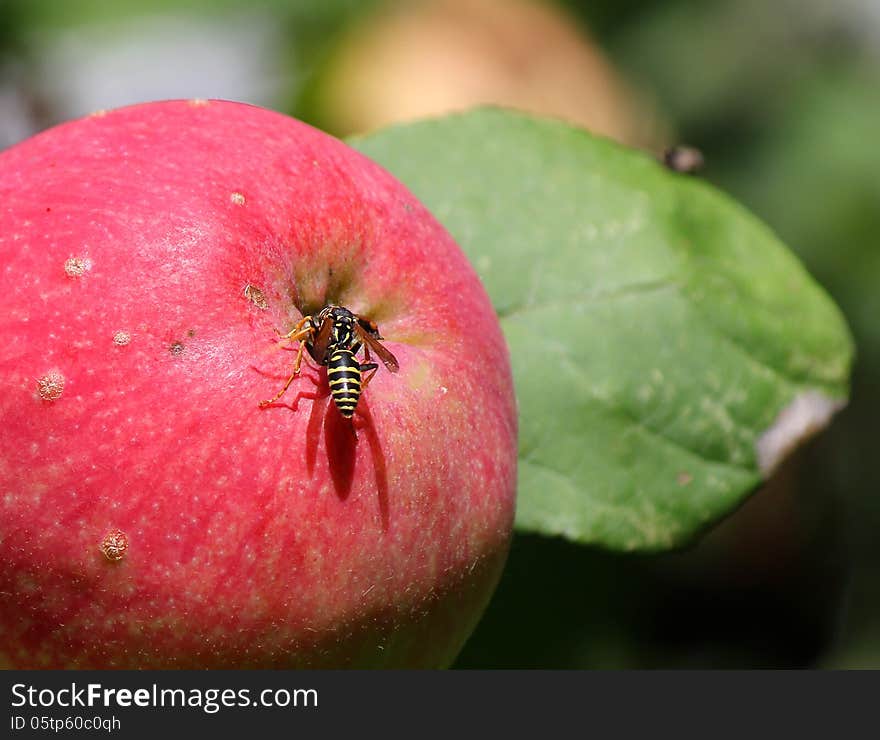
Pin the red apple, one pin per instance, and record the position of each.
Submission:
(153, 514)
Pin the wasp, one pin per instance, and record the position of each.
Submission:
(333, 337)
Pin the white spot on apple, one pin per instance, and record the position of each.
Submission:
(114, 544)
(809, 412)
(77, 266)
(121, 338)
(256, 296)
(198, 102)
(237, 199)
(51, 385)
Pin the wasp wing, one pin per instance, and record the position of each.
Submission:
(370, 340)
(318, 347)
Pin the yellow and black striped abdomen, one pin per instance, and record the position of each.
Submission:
(344, 378)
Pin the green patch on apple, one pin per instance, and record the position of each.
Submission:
(668, 351)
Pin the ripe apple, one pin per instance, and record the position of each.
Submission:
(153, 514)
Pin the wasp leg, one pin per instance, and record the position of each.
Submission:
(296, 367)
(300, 396)
(368, 366)
(280, 393)
(302, 331)
(299, 332)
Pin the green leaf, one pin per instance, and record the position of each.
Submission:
(667, 350)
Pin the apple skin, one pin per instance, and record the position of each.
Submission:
(148, 254)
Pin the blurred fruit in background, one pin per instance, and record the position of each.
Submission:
(431, 57)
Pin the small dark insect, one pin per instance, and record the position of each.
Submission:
(332, 338)
(684, 159)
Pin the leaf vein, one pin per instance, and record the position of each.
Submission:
(566, 302)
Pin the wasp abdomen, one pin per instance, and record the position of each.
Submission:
(344, 378)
